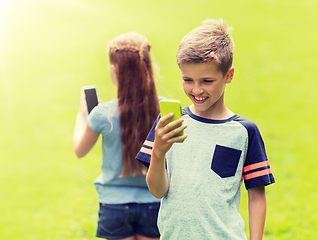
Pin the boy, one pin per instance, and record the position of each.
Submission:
(199, 180)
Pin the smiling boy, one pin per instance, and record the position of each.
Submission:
(199, 180)
(204, 84)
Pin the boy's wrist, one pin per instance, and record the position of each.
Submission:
(158, 155)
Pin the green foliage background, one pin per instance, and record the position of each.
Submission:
(49, 49)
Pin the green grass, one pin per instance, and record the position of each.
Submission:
(50, 49)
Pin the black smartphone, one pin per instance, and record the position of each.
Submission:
(91, 97)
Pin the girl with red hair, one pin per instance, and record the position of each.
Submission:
(127, 208)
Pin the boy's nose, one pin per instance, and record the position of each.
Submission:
(197, 90)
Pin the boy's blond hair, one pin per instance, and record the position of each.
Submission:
(210, 42)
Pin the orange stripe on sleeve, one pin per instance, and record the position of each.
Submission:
(148, 143)
(257, 174)
(255, 166)
(146, 150)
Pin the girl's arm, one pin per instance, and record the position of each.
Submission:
(83, 137)
(257, 212)
(157, 178)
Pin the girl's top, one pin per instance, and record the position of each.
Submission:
(112, 189)
(205, 175)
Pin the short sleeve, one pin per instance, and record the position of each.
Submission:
(102, 118)
(256, 169)
(144, 155)
(94, 120)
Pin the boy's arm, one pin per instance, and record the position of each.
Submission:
(157, 178)
(257, 212)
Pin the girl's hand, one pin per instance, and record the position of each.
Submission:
(83, 136)
(83, 105)
(165, 136)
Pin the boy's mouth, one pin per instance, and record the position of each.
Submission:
(199, 99)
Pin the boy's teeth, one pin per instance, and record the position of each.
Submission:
(200, 98)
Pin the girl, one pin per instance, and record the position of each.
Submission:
(127, 209)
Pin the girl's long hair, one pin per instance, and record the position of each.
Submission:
(137, 96)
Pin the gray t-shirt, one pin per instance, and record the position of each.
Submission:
(205, 175)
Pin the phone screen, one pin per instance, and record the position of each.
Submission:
(91, 98)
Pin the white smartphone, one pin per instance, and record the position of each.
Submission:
(172, 106)
(91, 97)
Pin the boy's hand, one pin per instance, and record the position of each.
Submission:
(165, 136)
(157, 178)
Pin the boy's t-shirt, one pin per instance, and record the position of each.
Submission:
(205, 175)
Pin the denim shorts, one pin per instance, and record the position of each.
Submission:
(125, 220)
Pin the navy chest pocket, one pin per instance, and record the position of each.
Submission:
(225, 161)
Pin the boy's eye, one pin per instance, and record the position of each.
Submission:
(208, 81)
(187, 80)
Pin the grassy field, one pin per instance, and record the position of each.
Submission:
(49, 49)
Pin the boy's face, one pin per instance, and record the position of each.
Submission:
(204, 84)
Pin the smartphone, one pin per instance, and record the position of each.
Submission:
(172, 106)
(91, 97)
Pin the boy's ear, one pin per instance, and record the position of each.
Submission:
(230, 74)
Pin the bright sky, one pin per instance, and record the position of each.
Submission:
(2, 2)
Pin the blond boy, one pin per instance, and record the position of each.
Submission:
(199, 180)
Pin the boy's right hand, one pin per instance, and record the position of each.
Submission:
(165, 136)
